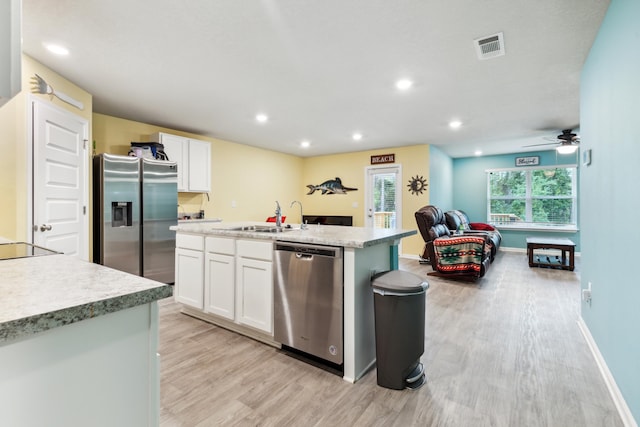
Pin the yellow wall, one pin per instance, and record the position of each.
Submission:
(251, 177)
(254, 178)
(350, 168)
(11, 123)
(14, 144)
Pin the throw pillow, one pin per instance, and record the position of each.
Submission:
(481, 226)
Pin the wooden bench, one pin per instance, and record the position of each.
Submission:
(561, 244)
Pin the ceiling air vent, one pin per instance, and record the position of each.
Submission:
(490, 46)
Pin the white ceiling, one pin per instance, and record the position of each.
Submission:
(324, 69)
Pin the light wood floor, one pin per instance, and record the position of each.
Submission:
(504, 351)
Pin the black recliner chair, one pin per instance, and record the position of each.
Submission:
(466, 256)
(458, 220)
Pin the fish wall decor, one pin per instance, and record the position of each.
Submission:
(332, 186)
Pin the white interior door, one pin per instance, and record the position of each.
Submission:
(383, 197)
(60, 181)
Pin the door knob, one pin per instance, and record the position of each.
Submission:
(45, 227)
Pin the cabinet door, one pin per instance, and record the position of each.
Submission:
(177, 150)
(199, 166)
(189, 286)
(219, 285)
(254, 286)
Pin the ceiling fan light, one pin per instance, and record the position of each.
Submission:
(566, 149)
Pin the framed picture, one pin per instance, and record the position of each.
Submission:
(528, 161)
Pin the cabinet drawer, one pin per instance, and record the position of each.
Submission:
(221, 245)
(188, 241)
(255, 249)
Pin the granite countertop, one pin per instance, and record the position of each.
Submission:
(45, 292)
(198, 220)
(334, 235)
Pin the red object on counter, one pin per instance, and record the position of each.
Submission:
(273, 219)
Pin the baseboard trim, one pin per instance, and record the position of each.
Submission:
(614, 391)
(508, 249)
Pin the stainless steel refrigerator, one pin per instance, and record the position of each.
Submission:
(134, 203)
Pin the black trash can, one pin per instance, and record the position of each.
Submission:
(399, 306)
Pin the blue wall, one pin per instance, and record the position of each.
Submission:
(470, 190)
(440, 179)
(609, 112)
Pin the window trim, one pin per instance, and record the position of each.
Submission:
(535, 226)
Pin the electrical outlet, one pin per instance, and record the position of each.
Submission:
(233, 204)
(586, 294)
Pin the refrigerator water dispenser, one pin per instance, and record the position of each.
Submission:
(121, 214)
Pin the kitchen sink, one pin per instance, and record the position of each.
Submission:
(261, 229)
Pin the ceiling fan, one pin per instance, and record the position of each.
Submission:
(567, 140)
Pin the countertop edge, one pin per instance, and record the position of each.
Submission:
(31, 325)
(309, 236)
(386, 239)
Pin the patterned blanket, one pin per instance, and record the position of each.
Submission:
(459, 253)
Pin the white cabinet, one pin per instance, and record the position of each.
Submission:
(255, 294)
(193, 158)
(189, 285)
(177, 151)
(219, 277)
(227, 277)
(254, 284)
(199, 170)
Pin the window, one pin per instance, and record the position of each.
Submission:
(383, 197)
(533, 197)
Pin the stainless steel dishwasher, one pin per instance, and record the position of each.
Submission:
(309, 299)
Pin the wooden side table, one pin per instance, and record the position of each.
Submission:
(561, 244)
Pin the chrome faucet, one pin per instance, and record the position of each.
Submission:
(303, 226)
(278, 215)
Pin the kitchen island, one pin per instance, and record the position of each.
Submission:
(78, 344)
(208, 254)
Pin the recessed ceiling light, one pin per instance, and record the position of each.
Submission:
(262, 118)
(57, 49)
(356, 136)
(305, 144)
(455, 124)
(478, 153)
(404, 84)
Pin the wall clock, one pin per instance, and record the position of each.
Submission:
(417, 185)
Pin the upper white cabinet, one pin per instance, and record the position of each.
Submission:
(178, 151)
(10, 49)
(199, 169)
(193, 158)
